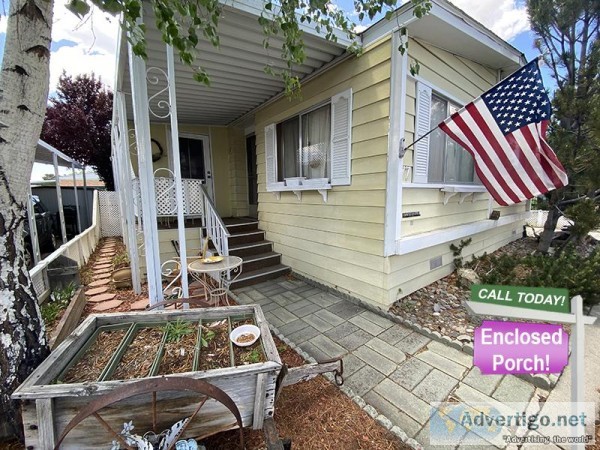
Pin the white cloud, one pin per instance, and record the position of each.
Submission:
(506, 18)
(95, 41)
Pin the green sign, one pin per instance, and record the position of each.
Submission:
(542, 299)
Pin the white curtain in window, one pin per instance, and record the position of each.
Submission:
(437, 141)
(459, 163)
(316, 135)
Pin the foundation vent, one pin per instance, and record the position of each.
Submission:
(436, 262)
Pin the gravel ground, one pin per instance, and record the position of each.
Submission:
(440, 306)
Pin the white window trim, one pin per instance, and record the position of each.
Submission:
(445, 187)
(277, 187)
(394, 185)
(416, 242)
(394, 243)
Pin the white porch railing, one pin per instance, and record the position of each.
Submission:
(196, 203)
(538, 218)
(216, 229)
(166, 201)
(78, 249)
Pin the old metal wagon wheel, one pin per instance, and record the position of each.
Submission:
(152, 387)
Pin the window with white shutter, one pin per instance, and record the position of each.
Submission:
(437, 158)
(421, 148)
(270, 155)
(314, 146)
(341, 143)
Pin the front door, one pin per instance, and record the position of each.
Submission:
(252, 177)
(196, 161)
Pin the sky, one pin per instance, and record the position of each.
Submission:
(87, 46)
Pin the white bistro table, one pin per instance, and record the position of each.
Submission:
(223, 272)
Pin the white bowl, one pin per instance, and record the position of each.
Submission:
(243, 329)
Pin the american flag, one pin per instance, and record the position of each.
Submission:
(505, 131)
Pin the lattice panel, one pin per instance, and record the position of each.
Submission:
(166, 200)
(538, 219)
(193, 197)
(110, 214)
(39, 283)
(164, 189)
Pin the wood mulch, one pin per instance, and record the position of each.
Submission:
(95, 359)
(215, 354)
(178, 356)
(315, 415)
(140, 353)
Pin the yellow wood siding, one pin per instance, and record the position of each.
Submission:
(408, 273)
(464, 80)
(340, 242)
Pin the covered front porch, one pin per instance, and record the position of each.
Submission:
(185, 153)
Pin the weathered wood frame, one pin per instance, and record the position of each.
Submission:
(251, 386)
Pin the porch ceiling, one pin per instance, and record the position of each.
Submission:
(236, 69)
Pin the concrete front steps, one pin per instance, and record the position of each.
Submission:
(261, 263)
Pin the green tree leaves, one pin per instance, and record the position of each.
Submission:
(184, 23)
(569, 40)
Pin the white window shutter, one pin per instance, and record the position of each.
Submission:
(271, 155)
(341, 138)
(422, 126)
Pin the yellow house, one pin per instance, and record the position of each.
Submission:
(327, 185)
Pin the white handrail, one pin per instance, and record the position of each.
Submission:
(216, 229)
(88, 240)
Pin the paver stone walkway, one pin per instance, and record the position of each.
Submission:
(396, 370)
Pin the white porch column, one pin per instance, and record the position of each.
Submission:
(61, 213)
(127, 191)
(139, 90)
(177, 172)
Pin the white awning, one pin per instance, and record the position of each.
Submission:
(236, 69)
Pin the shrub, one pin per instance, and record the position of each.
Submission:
(59, 300)
(567, 270)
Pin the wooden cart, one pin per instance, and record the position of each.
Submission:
(241, 395)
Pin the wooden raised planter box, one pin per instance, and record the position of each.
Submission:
(49, 401)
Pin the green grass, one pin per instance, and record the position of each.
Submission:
(177, 330)
(59, 300)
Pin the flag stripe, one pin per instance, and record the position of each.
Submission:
(518, 157)
(525, 139)
(482, 171)
(517, 140)
(548, 168)
(508, 160)
(504, 130)
(549, 154)
(491, 160)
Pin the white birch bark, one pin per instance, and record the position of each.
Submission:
(24, 89)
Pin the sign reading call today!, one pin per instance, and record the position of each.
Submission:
(543, 299)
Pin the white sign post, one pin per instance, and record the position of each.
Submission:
(576, 361)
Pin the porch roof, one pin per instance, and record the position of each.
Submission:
(239, 83)
(236, 69)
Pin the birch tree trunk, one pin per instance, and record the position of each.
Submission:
(24, 89)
